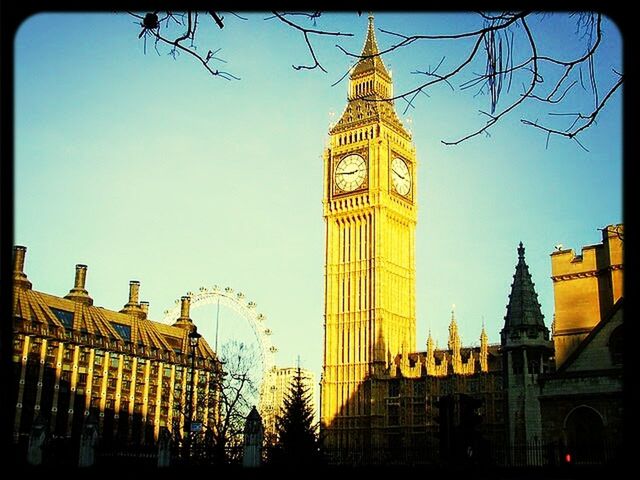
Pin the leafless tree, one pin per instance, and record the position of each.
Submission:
(231, 394)
(236, 392)
(506, 46)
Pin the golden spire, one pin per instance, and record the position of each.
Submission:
(370, 59)
(454, 338)
(484, 349)
(483, 334)
(370, 44)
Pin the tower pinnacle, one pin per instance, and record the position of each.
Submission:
(523, 310)
(370, 60)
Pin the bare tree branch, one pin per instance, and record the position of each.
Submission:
(514, 105)
(409, 39)
(589, 119)
(498, 47)
(493, 44)
(306, 32)
(235, 390)
(152, 25)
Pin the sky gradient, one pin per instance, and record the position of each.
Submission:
(145, 168)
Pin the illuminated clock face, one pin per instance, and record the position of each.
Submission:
(350, 172)
(400, 176)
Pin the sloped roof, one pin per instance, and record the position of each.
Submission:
(618, 306)
(523, 309)
(370, 56)
(374, 108)
(49, 310)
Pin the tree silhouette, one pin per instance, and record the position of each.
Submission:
(297, 439)
(235, 394)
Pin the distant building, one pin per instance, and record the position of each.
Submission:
(284, 378)
(73, 359)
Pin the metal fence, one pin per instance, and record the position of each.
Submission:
(64, 452)
(534, 454)
(131, 455)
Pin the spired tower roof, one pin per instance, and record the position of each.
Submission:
(370, 56)
(370, 91)
(523, 310)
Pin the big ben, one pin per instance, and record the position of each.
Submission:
(370, 212)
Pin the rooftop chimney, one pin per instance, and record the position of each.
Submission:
(184, 321)
(19, 277)
(144, 306)
(185, 304)
(78, 293)
(134, 290)
(133, 307)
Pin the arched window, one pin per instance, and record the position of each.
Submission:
(616, 345)
(584, 430)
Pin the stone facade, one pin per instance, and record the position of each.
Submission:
(73, 360)
(370, 215)
(582, 402)
(379, 394)
(586, 287)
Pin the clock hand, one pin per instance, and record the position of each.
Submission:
(394, 171)
(347, 173)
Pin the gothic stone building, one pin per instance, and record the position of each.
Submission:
(73, 360)
(582, 401)
(377, 395)
(381, 401)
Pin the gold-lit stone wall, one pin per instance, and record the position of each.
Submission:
(585, 287)
(370, 248)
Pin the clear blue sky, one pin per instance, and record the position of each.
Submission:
(147, 168)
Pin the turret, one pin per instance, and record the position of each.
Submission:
(484, 350)
(454, 343)
(524, 321)
(526, 351)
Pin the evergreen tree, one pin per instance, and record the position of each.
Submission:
(297, 435)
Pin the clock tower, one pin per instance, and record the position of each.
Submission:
(370, 173)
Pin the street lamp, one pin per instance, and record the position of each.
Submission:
(194, 337)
